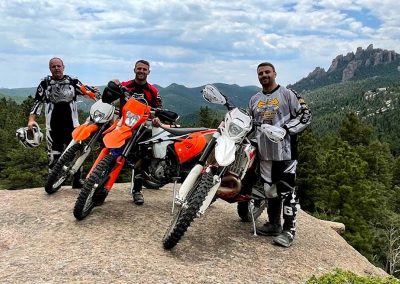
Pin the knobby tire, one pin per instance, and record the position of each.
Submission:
(68, 159)
(186, 214)
(84, 204)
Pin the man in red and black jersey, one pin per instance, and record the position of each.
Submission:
(138, 87)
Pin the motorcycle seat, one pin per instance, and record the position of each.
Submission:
(183, 131)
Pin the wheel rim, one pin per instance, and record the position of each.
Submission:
(174, 221)
(65, 171)
(89, 199)
(58, 183)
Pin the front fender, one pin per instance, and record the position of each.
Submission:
(117, 137)
(225, 151)
(83, 131)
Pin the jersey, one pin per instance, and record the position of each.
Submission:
(284, 108)
(147, 91)
(59, 99)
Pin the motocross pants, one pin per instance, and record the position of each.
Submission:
(279, 186)
(56, 143)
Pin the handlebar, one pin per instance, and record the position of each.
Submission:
(89, 91)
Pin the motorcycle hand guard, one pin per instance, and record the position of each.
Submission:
(166, 116)
(274, 133)
(213, 95)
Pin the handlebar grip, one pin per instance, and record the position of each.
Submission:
(86, 90)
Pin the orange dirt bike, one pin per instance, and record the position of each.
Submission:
(84, 138)
(168, 154)
(227, 169)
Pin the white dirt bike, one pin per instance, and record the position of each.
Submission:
(227, 160)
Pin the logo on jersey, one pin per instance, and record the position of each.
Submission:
(268, 109)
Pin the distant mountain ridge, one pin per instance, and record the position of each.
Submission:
(329, 93)
(181, 99)
(353, 66)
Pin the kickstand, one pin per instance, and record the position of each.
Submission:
(251, 209)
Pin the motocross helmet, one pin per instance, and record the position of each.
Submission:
(30, 138)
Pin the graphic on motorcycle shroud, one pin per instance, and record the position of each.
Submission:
(225, 166)
(83, 140)
(164, 157)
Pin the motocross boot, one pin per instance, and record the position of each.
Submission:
(290, 204)
(284, 239)
(273, 227)
(137, 195)
(77, 181)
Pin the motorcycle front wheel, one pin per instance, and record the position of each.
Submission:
(187, 212)
(93, 192)
(60, 172)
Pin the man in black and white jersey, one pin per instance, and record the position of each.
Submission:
(279, 106)
(58, 93)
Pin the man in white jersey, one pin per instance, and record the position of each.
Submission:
(58, 94)
(279, 106)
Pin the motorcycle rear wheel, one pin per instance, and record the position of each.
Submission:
(60, 171)
(187, 212)
(94, 185)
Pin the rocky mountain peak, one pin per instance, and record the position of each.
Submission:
(361, 64)
(362, 58)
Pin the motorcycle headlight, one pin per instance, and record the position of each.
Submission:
(234, 130)
(98, 116)
(131, 118)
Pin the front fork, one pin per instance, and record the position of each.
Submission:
(210, 195)
(114, 174)
(180, 197)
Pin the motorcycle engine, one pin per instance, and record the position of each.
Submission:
(161, 170)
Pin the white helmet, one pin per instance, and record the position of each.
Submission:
(29, 138)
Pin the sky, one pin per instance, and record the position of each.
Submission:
(188, 42)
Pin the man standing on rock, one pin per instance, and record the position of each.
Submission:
(278, 106)
(58, 94)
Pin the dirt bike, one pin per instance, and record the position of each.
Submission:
(227, 160)
(83, 139)
(167, 155)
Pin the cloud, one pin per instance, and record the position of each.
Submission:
(188, 42)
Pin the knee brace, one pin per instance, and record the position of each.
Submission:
(270, 190)
(283, 189)
(53, 157)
